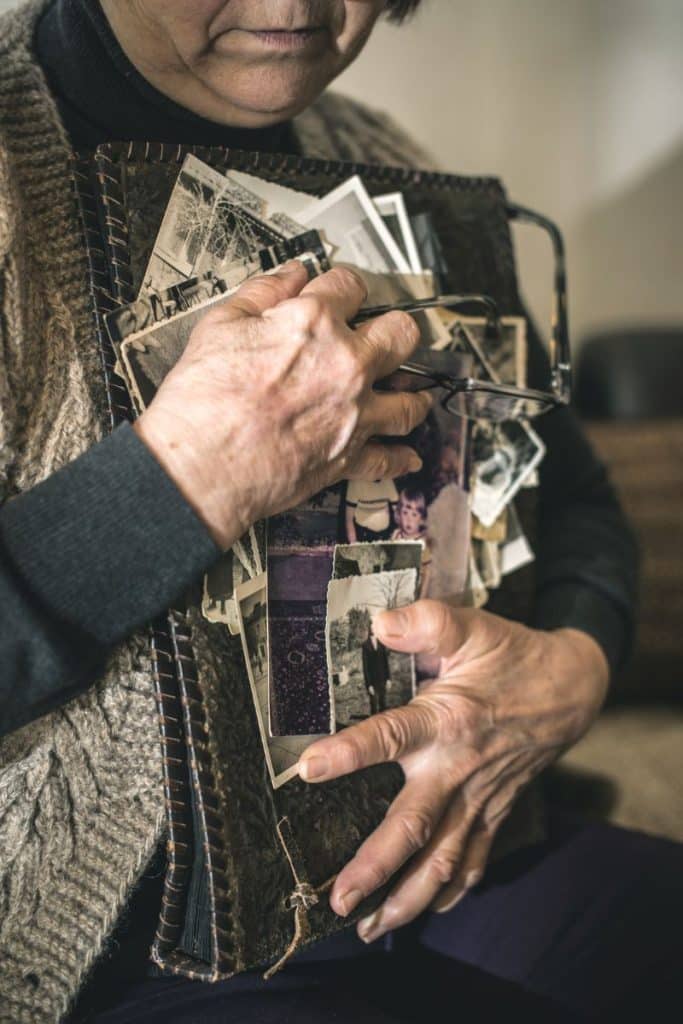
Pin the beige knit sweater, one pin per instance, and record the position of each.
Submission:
(81, 802)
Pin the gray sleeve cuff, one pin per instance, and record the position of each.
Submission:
(108, 542)
(574, 605)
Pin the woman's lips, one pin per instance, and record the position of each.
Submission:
(299, 39)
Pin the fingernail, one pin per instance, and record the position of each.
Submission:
(393, 623)
(451, 903)
(349, 901)
(290, 267)
(473, 878)
(369, 927)
(313, 768)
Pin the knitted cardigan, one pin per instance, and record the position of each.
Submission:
(81, 801)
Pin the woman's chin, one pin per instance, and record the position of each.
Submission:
(264, 96)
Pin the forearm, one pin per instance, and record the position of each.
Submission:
(86, 557)
(587, 557)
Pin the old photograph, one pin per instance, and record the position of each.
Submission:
(504, 455)
(430, 506)
(282, 753)
(300, 697)
(366, 676)
(312, 524)
(220, 583)
(392, 210)
(349, 222)
(212, 223)
(516, 552)
(502, 357)
(385, 556)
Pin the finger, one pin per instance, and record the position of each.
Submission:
(342, 288)
(260, 293)
(425, 627)
(407, 827)
(470, 871)
(396, 414)
(377, 461)
(384, 737)
(387, 341)
(435, 866)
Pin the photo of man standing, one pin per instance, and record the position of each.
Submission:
(376, 672)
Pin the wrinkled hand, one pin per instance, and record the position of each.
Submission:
(272, 399)
(506, 701)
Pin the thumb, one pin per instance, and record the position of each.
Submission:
(425, 627)
(260, 293)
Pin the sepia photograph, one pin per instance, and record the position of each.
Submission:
(366, 676)
(502, 356)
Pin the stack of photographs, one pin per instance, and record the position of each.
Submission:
(302, 591)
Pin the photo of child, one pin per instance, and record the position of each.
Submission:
(410, 515)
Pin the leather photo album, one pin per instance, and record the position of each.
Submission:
(250, 866)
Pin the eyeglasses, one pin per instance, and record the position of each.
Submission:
(485, 397)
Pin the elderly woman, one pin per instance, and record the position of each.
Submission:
(86, 559)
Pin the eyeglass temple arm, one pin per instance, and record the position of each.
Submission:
(560, 357)
(416, 305)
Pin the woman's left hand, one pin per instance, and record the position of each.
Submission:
(506, 700)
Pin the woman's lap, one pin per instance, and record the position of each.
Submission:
(590, 920)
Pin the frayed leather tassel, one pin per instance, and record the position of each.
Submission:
(301, 899)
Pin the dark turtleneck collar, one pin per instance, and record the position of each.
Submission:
(102, 97)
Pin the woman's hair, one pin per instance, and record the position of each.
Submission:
(400, 9)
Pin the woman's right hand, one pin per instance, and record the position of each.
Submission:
(273, 400)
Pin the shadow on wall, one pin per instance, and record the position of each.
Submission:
(628, 251)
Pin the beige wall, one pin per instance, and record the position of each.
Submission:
(578, 105)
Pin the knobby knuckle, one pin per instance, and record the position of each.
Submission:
(405, 415)
(312, 315)
(377, 464)
(393, 733)
(405, 326)
(350, 280)
(351, 754)
(443, 864)
(347, 370)
(416, 827)
(378, 874)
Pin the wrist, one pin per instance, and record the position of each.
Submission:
(588, 666)
(182, 462)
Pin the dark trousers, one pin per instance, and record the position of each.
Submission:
(586, 926)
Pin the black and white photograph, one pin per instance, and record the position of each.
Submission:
(515, 552)
(350, 223)
(158, 306)
(220, 583)
(386, 556)
(281, 752)
(392, 210)
(504, 456)
(212, 223)
(366, 676)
